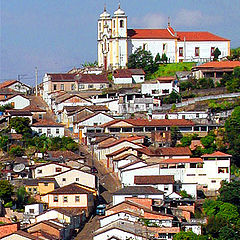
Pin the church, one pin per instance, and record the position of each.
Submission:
(116, 42)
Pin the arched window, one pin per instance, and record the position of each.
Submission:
(113, 23)
(121, 23)
(99, 26)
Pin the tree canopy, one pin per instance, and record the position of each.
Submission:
(6, 190)
(21, 125)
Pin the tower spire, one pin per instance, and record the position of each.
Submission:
(168, 21)
(105, 8)
(119, 5)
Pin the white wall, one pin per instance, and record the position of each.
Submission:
(53, 131)
(18, 101)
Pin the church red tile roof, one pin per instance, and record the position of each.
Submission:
(217, 154)
(149, 34)
(199, 36)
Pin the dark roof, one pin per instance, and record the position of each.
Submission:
(127, 73)
(149, 180)
(93, 78)
(63, 77)
(69, 211)
(65, 154)
(138, 190)
(19, 113)
(73, 188)
(33, 108)
(35, 181)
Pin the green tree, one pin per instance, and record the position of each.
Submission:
(157, 59)
(142, 59)
(164, 58)
(230, 192)
(227, 233)
(232, 127)
(216, 54)
(175, 135)
(6, 190)
(188, 236)
(21, 125)
(22, 197)
(187, 139)
(4, 143)
(16, 151)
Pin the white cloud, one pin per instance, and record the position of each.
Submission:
(192, 18)
(151, 20)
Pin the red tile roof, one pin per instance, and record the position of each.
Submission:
(33, 108)
(7, 83)
(138, 190)
(47, 123)
(217, 154)
(199, 36)
(93, 78)
(223, 64)
(63, 77)
(180, 160)
(153, 122)
(166, 79)
(149, 34)
(150, 180)
(127, 73)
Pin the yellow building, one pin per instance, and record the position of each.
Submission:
(39, 185)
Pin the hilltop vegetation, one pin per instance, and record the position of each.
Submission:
(170, 69)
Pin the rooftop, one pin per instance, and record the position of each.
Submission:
(138, 190)
(222, 64)
(150, 180)
(217, 154)
(46, 123)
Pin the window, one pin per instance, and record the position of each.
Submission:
(190, 175)
(54, 86)
(114, 23)
(40, 116)
(77, 179)
(144, 46)
(213, 181)
(193, 165)
(183, 116)
(64, 179)
(39, 171)
(57, 130)
(49, 131)
(31, 210)
(223, 170)
(39, 130)
(80, 86)
(165, 91)
(73, 87)
(164, 46)
(165, 188)
(121, 23)
(29, 189)
(90, 86)
(58, 169)
(127, 129)
(197, 115)
(196, 51)
(181, 52)
(212, 51)
(65, 199)
(77, 198)
(13, 104)
(46, 184)
(99, 26)
(34, 189)
(55, 198)
(62, 86)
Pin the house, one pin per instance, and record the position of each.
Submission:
(12, 113)
(75, 176)
(49, 128)
(20, 235)
(31, 211)
(163, 183)
(113, 34)
(48, 169)
(124, 127)
(214, 70)
(8, 228)
(161, 86)
(71, 196)
(39, 185)
(53, 229)
(64, 156)
(128, 76)
(137, 191)
(17, 101)
(89, 123)
(69, 99)
(16, 86)
(193, 115)
(37, 112)
(122, 229)
(71, 216)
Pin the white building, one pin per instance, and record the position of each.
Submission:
(49, 128)
(116, 42)
(161, 86)
(31, 211)
(16, 86)
(16, 101)
(128, 76)
(194, 115)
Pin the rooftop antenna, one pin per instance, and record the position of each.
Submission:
(168, 21)
(105, 7)
(119, 4)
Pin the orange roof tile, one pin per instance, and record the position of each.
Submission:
(7, 83)
(199, 36)
(180, 160)
(149, 34)
(151, 179)
(217, 154)
(47, 123)
(223, 64)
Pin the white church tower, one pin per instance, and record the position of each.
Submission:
(112, 40)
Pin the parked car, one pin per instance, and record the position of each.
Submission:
(100, 210)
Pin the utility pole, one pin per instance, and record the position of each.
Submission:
(36, 75)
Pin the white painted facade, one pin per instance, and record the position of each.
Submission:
(159, 88)
(32, 211)
(75, 176)
(129, 80)
(46, 170)
(18, 102)
(180, 115)
(49, 131)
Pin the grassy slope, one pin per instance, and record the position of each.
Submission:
(171, 68)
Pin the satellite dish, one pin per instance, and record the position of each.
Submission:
(19, 167)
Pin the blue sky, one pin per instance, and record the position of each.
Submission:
(56, 35)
